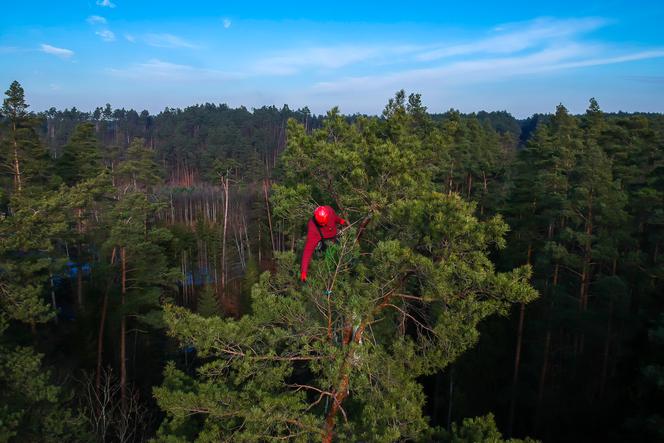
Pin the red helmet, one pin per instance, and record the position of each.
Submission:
(322, 215)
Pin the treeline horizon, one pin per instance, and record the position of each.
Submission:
(501, 120)
(504, 269)
(107, 111)
(126, 124)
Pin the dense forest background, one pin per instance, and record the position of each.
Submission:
(106, 217)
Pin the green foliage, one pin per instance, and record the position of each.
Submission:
(21, 154)
(647, 417)
(139, 170)
(31, 408)
(14, 106)
(576, 216)
(251, 276)
(133, 233)
(28, 239)
(208, 305)
(479, 430)
(408, 287)
(80, 159)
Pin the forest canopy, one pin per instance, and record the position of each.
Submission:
(493, 277)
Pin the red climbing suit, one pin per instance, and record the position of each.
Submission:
(328, 230)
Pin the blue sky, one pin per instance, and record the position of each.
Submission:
(524, 57)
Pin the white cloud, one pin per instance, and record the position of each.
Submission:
(156, 69)
(59, 52)
(167, 41)
(130, 38)
(227, 23)
(106, 3)
(96, 20)
(518, 37)
(334, 57)
(486, 70)
(529, 48)
(106, 35)
(543, 36)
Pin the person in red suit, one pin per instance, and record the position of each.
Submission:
(322, 227)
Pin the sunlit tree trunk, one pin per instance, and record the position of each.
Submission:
(18, 184)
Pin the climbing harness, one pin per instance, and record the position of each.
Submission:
(322, 244)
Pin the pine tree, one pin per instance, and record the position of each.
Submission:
(143, 270)
(31, 232)
(138, 171)
(22, 154)
(80, 167)
(478, 429)
(31, 407)
(81, 159)
(339, 358)
(251, 276)
(568, 218)
(29, 254)
(208, 305)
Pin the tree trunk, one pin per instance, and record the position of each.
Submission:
(517, 354)
(338, 397)
(53, 302)
(123, 328)
(543, 371)
(436, 397)
(79, 287)
(587, 257)
(340, 393)
(224, 182)
(246, 235)
(100, 335)
(547, 347)
(17, 166)
(586, 269)
(79, 247)
(269, 215)
(607, 347)
(449, 408)
(517, 363)
(260, 248)
(470, 184)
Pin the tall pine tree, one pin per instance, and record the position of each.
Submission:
(339, 357)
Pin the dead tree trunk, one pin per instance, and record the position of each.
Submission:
(224, 183)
